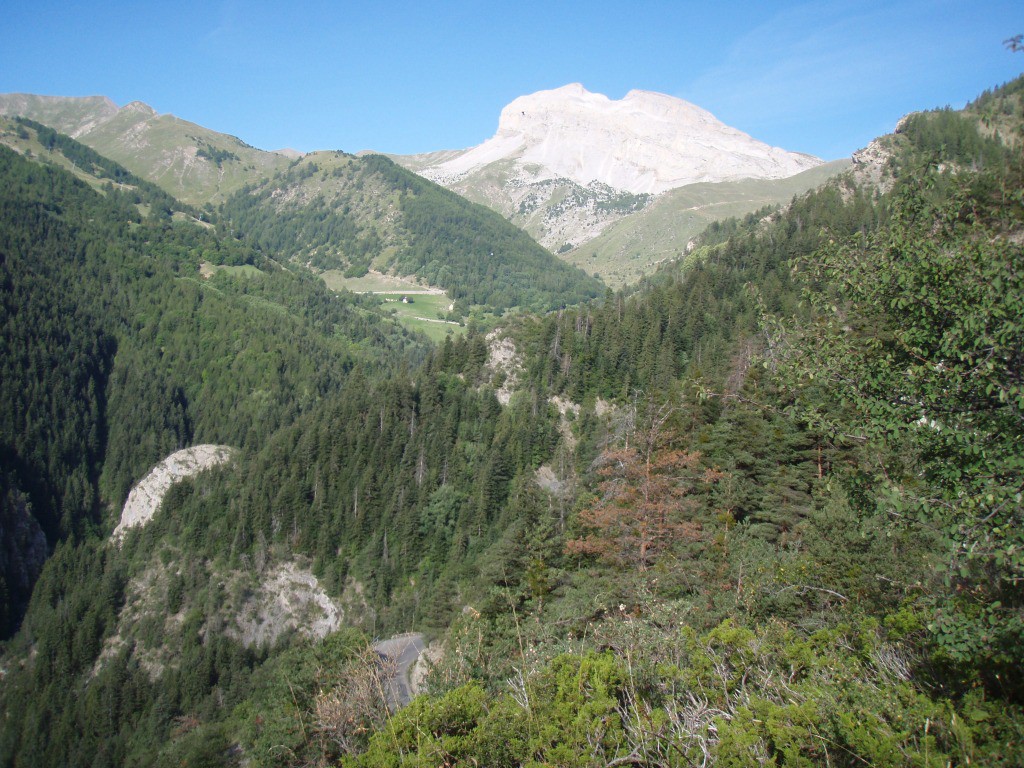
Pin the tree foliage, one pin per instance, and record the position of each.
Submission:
(812, 557)
(919, 334)
(644, 504)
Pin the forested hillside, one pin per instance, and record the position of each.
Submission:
(327, 210)
(115, 352)
(763, 509)
(336, 211)
(49, 146)
(118, 352)
(799, 541)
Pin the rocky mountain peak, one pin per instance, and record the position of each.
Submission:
(646, 142)
(139, 107)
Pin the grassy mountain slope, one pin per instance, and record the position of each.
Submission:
(47, 146)
(70, 116)
(636, 244)
(618, 235)
(192, 163)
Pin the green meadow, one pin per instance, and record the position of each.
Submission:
(423, 312)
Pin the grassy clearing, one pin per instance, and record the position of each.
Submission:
(206, 269)
(424, 312)
(373, 282)
(634, 246)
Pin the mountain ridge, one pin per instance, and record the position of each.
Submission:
(195, 164)
(325, 209)
(564, 208)
(566, 164)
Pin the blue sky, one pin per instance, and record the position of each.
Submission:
(405, 77)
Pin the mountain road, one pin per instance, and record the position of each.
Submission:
(403, 650)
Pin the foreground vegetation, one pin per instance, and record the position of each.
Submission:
(763, 510)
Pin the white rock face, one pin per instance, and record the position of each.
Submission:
(644, 143)
(256, 610)
(502, 359)
(289, 598)
(145, 498)
(871, 165)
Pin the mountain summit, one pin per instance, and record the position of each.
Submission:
(644, 143)
(632, 180)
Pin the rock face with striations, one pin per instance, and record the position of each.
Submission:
(289, 598)
(145, 498)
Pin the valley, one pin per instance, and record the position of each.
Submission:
(558, 167)
(620, 222)
(750, 497)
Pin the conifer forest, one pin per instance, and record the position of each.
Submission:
(762, 508)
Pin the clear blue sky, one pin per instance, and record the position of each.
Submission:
(405, 77)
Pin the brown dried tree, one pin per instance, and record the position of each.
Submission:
(647, 497)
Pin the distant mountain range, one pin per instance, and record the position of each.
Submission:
(613, 187)
(567, 164)
(645, 143)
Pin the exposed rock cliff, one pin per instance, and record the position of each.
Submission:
(146, 496)
(567, 164)
(644, 143)
(289, 598)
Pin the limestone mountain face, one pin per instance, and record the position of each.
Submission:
(566, 163)
(145, 498)
(645, 143)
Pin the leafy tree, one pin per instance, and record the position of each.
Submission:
(920, 335)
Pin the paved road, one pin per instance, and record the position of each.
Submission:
(404, 649)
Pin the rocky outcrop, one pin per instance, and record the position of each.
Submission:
(872, 165)
(504, 364)
(289, 599)
(427, 659)
(567, 164)
(145, 498)
(255, 610)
